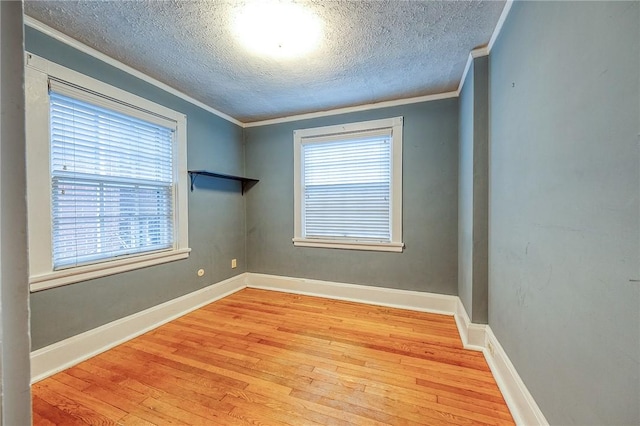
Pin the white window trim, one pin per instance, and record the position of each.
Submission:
(41, 273)
(396, 244)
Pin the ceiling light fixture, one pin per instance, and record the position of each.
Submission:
(278, 29)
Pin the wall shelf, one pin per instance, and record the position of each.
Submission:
(244, 181)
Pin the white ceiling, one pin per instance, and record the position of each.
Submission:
(372, 51)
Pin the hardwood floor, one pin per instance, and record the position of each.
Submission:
(270, 358)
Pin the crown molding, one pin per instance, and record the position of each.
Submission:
(485, 50)
(498, 29)
(475, 53)
(358, 108)
(53, 33)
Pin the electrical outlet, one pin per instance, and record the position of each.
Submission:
(234, 263)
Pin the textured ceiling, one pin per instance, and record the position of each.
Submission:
(371, 51)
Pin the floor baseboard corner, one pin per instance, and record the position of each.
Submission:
(66, 353)
(69, 352)
(471, 334)
(372, 295)
(524, 409)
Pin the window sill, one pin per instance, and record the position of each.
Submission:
(97, 270)
(349, 245)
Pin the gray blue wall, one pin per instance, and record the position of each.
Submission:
(473, 195)
(430, 217)
(563, 207)
(15, 375)
(564, 290)
(216, 217)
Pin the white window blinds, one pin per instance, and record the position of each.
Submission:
(346, 187)
(112, 169)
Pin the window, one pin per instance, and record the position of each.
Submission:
(102, 178)
(348, 186)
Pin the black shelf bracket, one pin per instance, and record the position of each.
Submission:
(245, 182)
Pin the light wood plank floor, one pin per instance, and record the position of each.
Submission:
(270, 358)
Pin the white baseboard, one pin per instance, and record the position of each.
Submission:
(381, 296)
(477, 337)
(472, 335)
(66, 353)
(523, 407)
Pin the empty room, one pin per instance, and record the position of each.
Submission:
(320, 212)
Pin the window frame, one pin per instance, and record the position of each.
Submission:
(39, 198)
(305, 136)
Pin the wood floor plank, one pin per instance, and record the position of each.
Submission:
(100, 407)
(170, 411)
(74, 382)
(328, 411)
(67, 410)
(269, 413)
(223, 371)
(98, 384)
(372, 415)
(175, 382)
(38, 419)
(267, 358)
(57, 411)
(287, 404)
(404, 412)
(133, 420)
